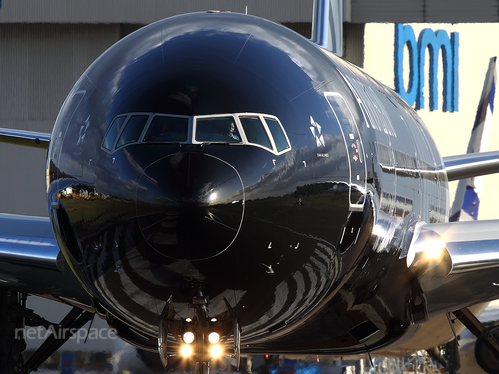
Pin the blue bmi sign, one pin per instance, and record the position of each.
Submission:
(434, 42)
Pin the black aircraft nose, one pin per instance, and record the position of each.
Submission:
(190, 205)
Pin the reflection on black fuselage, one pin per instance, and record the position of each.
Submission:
(304, 244)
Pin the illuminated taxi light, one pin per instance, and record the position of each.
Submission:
(214, 338)
(433, 248)
(216, 351)
(188, 337)
(186, 350)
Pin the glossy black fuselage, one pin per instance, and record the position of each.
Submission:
(307, 244)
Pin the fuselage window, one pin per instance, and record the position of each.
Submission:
(255, 132)
(383, 154)
(280, 140)
(113, 132)
(167, 129)
(218, 129)
(132, 130)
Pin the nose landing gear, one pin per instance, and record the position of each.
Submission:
(201, 338)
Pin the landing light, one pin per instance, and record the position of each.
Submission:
(214, 338)
(186, 350)
(188, 337)
(216, 351)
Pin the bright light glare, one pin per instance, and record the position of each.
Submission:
(216, 351)
(186, 350)
(213, 338)
(213, 196)
(433, 248)
(379, 231)
(188, 337)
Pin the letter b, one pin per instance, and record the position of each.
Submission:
(405, 35)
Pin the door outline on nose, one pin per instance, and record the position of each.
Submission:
(353, 145)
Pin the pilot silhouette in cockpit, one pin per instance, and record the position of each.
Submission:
(232, 132)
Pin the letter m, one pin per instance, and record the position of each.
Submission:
(436, 41)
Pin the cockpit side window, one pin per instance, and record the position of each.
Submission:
(113, 132)
(278, 134)
(132, 130)
(167, 129)
(217, 129)
(255, 132)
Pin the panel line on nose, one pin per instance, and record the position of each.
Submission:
(155, 223)
(220, 223)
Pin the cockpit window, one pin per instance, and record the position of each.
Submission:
(277, 133)
(217, 129)
(255, 132)
(253, 129)
(132, 130)
(113, 132)
(167, 129)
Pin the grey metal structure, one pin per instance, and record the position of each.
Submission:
(405, 11)
(283, 11)
(39, 63)
(133, 11)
